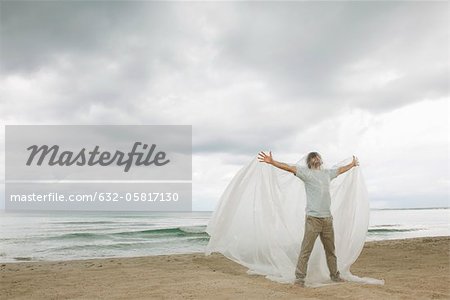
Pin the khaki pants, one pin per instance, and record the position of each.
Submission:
(315, 226)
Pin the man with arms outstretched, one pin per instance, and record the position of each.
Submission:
(319, 220)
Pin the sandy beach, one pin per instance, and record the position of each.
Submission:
(412, 268)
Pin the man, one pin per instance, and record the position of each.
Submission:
(318, 220)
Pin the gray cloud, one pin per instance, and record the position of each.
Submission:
(304, 49)
(122, 52)
(246, 75)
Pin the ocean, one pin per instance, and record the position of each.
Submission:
(84, 235)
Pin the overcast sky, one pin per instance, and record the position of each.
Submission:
(341, 78)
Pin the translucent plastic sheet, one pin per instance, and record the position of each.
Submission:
(260, 218)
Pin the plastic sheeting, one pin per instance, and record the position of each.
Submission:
(259, 223)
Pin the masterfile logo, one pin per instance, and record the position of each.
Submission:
(99, 167)
(91, 158)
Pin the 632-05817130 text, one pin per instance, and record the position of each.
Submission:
(96, 196)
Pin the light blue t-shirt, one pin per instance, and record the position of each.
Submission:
(317, 186)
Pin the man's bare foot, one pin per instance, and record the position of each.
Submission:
(299, 282)
(337, 279)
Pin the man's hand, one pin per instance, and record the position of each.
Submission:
(344, 169)
(265, 158)
(283, 166)
(355, 161)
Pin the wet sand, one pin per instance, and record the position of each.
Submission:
(416, 268)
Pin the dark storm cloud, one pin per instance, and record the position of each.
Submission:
(244, 74)
(305, 49)
(35, 34)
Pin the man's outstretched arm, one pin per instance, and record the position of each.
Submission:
(344, 169)
(269, 159)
